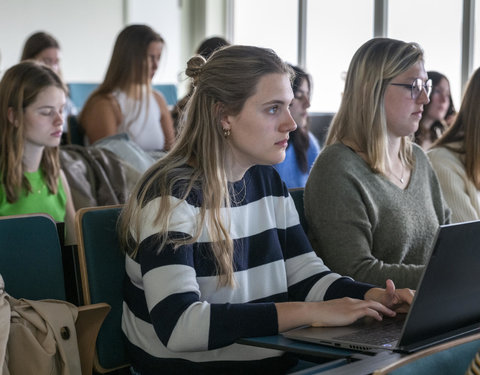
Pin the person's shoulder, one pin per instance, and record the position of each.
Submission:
(159, 98)
(99, 104)
(419, 153)
(102, 99)
(441, 152)
(336, 153)
(444, 157)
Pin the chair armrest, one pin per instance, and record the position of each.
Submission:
(89, 321)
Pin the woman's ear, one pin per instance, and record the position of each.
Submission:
(12, 118)
(222, 115)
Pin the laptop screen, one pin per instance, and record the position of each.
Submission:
(448, 296)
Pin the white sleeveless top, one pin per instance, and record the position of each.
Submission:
(141, 121)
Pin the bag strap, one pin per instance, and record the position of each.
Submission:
(61, 317)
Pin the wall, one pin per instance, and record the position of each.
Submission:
(86, 31)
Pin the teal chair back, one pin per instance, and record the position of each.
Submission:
(297, 196)
(450, 358)
(79, 92)
(31, 257)
(102, 271)
(169, 92)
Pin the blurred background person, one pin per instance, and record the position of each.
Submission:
(456, 157)
(303, 147)
(438, 114)
(43, 47)
(125, 101)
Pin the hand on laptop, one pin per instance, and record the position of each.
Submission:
(398, 300)
(345, 311)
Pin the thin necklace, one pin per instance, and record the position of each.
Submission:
(401, 177)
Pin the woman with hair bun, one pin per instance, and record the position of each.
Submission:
(215, 249)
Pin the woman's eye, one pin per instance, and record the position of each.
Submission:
(273, 109)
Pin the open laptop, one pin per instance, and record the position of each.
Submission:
(446, 304)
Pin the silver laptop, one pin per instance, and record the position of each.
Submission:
(446, 304)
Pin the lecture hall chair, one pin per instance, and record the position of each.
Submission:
(31, 266)
(297, 196)
(102, 271)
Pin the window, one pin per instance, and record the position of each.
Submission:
(271, 24)
(335, 30)
(438, 29)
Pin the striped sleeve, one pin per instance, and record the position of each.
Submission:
(181, 317)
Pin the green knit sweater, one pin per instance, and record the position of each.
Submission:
(364, 226)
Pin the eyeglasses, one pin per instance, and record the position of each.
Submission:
(417, 86)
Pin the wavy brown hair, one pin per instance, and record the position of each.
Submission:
(361, 117)
(197, 160)
(19, 88)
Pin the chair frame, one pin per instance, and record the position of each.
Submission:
(85, 286)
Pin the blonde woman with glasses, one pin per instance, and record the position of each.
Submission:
(372, 200)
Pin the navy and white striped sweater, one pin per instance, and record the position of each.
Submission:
(174, 310)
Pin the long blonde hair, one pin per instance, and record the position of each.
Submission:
(18, 89)
(361, 118)
(466, 130)
(197, 160)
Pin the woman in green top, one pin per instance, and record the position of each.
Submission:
(32, 98)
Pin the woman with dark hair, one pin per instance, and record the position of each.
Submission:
(125, 102)
(303, 147)
(44, 48)
(456, 157)
(438, 113)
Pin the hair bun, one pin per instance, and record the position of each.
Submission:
(194, 68)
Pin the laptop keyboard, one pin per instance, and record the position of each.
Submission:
(389, 332)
